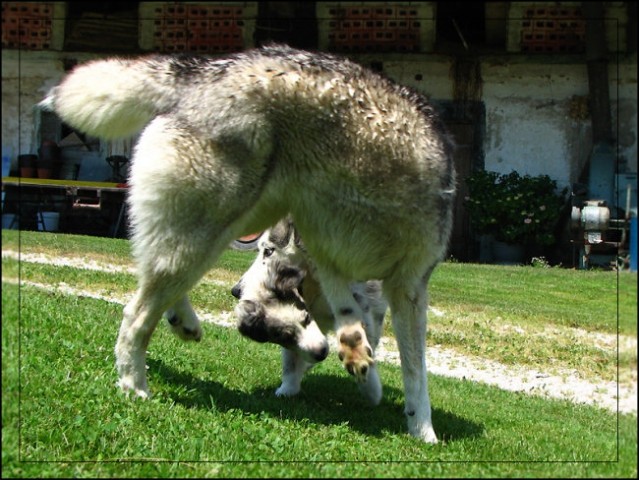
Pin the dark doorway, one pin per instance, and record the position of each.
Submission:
(460, 18)
(466, 124)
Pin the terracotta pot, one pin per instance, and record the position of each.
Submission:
(49, 151)
(49, 163)
(27, 164)
(27, 172)
(48, 169)
(44, 172)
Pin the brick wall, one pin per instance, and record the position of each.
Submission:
(197, 27)
(376, 26)
(27, 25)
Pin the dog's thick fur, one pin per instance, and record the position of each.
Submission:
(282, 302)
(232, 145)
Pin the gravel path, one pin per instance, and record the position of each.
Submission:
(441, 361)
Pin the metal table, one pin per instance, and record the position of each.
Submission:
(83, 194)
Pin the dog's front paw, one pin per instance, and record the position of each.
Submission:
(128, 386)
(355, 352)
(424, 432)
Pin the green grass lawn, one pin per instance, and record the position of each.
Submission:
(214, 412)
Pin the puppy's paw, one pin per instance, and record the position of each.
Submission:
(372, 387)
(286, 390)
(355, 352)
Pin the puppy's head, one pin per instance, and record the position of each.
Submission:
(271, 307)
(282, 246)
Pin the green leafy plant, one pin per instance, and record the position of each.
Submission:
(513, 208)
(539, 262)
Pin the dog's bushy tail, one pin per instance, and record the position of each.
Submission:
(112, 98)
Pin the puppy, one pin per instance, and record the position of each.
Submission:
(281, 302)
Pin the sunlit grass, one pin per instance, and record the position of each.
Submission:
(214, 412)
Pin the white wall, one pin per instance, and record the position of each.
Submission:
(530, 125)
(623, 95)
(26, 78)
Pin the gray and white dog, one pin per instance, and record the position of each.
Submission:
(281, 302)
(231, 145)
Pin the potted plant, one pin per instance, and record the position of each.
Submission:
(514, 209)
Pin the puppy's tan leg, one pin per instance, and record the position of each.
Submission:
(354, 349)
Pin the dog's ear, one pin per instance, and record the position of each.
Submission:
(252, 320)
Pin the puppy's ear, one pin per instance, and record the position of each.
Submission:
(287, 278)
(252, 320)
(298, 240)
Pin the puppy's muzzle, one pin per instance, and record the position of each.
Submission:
(236, 291)
(252, 320)
(321, 355)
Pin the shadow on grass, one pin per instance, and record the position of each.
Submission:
(324, 399)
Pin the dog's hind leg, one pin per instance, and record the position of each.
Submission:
(160, 288)
(408, 310)
(139, 322)
(183, 320)
(188, 199)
